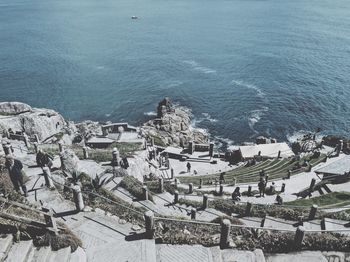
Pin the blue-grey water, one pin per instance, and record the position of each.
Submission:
(244, 67)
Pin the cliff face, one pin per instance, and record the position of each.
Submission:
(172, 126)
(21, 117)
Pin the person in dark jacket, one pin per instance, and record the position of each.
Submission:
(188, 167)
(236, 195)
(43, 159)
(14, 168)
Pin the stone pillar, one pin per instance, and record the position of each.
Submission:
(193, 213)
(152, 141)
(205, 201)
(211, 149)
(62, 161)
(191, 147)
(259, 153)
(266, 179)
(312, 185)
(85, 152)
(200, 183)
(176, 182)
(300, 220)
(26, 140)
(313, 211)
(262, 223)
(7, 149)
(176, 197)
(190, 188)
(221, 190)
(234, 181)
(115, 154)
(78, 198)
(289, 174)
(225, 234)
(323, 224)
(279, 154)
(149, 224)
(47, 177)
(283, 188)
(160, 185)
(172, 173)
(50, 221)
(144, 193)
(299, 236)
(341, 145)
(36, 147)
(60, 147)
(248, 209)
(249, 191)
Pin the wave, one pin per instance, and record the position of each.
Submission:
(222, 142)
(255, 116)
(258, 91)
(208, 117)
(299, 134)
(150, 113)
(196, 66)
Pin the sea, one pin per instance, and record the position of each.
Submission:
(245, 68)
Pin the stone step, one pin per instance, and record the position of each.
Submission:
(5, 246)
(41, 254)
(131, 251)
(337, 224)
(79, 255)
(62, 255)
(216, 254)
(184, 253)
(312, 225)
(20, 251)
(229, 255)
(305, 256)
(277, 223)
(251, 221)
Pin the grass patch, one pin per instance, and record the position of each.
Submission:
(134, 186)
(334, 199)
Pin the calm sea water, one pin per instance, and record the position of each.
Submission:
(246, 68)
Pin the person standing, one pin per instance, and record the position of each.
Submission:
(188, 167)
(261, 186)
(14, 168)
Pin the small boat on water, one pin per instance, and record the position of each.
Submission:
(134, 17)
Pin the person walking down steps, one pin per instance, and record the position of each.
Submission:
(15, 168)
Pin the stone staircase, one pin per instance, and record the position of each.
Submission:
(25, 251)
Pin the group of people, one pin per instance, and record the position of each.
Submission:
(262, 185)
(15, 169)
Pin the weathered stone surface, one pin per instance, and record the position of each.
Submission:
(14, 108)
(21, 117)
(70, 161)
(306, 256)
(89, 128)
(173, 126)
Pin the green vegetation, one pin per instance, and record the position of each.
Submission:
(105, 155)
(334, 199)
(134, 187)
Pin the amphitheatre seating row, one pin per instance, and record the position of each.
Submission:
(275, 169)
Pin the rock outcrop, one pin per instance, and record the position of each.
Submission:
(21, 117)
(14, 108)
(70, 161)
(172, 126)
